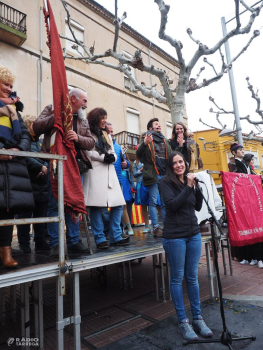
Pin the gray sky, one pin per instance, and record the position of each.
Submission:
(204, 18)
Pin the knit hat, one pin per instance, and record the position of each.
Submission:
(235, 146)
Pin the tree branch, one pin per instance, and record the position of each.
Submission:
(212, 127)
(223, 111)
(210, 64)
(80, 43)
(164, 9)
(199, 73)
(117, 22)
(237, 31)
(255, 96)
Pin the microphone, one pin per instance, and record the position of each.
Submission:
(196, 180)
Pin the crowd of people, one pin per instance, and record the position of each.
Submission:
(107, 177)
(161, 179)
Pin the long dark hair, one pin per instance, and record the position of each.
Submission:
(94, 117)
(186, 132)
(170, 175)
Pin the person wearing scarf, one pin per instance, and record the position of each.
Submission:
(183, 142)
(101, 186)
(15, 187)
(153, 152)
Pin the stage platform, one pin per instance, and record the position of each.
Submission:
(40, 266)
(37, 268)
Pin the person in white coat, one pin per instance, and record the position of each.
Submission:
(101, 186)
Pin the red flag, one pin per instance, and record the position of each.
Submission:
(73, 193)
(244, 205)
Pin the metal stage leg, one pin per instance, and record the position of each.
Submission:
(76, 311)
(159, 265)
(60, 319)
(84, 218)
(209, 269)
(38, 311)
(2, 306)
(226, 245)
(223, 256)
(168, 277)
(130, 273)
(124, 276)
(13, 302)
(155, 277)
(25, 312)
(162, 276)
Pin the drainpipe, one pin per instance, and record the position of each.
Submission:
(149, 60)
(41, 54)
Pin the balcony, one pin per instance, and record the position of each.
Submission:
(128, 139)
(12, 25)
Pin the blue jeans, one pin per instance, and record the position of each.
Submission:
(72, 228)
(183, 255)
(153, 201)
(100, 216)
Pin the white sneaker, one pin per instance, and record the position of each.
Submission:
(244, 262)
(253, 262)
(260, 264)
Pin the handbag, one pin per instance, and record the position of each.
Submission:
(83, 166)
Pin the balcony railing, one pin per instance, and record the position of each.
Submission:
(12, 18)
(128, 139)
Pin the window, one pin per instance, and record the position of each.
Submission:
(133, 125)
(127, 83)
(79, 33)
(169, 129)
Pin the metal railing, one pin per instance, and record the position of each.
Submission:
(12, 17)
(59, 218)
(128, 139)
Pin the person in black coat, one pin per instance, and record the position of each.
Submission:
(38, 176)
(182, 241)
(183, 142)
(15, 187)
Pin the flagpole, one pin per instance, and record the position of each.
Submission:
(45, 3)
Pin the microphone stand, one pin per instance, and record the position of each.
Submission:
(226, 336)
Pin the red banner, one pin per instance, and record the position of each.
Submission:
(244, 205)
(73, 193)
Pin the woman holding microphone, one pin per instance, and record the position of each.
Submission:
(182, 242)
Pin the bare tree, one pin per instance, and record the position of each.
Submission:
(172, 96)
(222, 111)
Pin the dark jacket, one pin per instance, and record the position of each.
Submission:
(185, 150)
(15, 188)
(45, 125)
(34, 165)
(146, 154)
(240, 167)
(180, 205)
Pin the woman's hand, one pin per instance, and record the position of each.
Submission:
(191, 179)
(180, 140)
(5, 157)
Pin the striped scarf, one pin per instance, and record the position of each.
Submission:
(10, 131)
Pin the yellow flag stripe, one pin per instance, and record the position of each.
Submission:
(5, 121)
